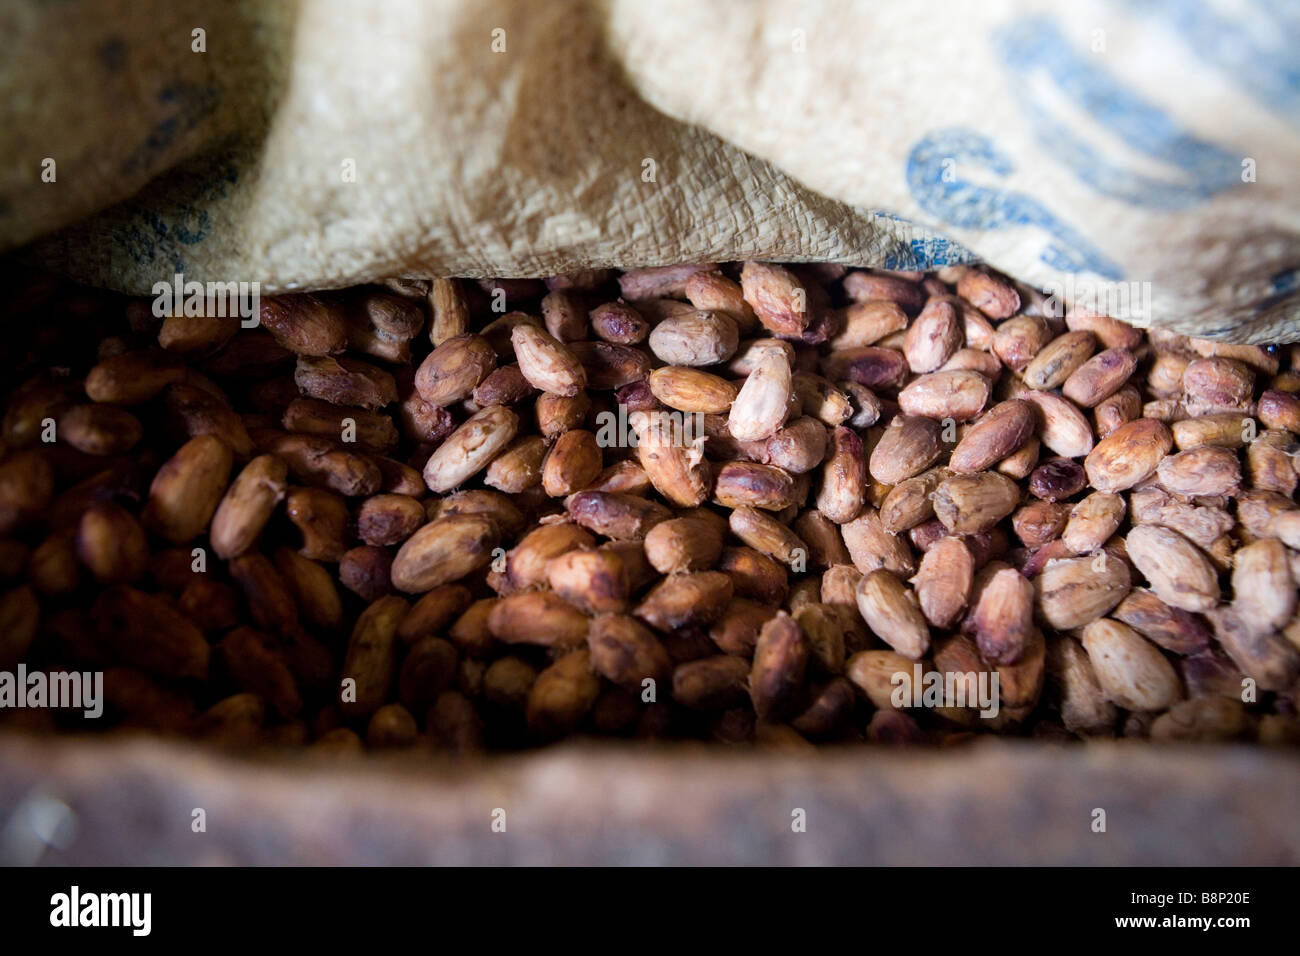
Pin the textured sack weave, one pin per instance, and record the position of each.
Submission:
(328, 143)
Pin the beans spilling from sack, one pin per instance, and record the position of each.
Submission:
(740, 503)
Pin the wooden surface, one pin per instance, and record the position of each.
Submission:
(131, 800)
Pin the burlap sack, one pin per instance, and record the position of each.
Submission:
(1142, 157)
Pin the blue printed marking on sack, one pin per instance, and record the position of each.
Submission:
(968, 205)
(190, 104)
(1282, 286)
(921, 251)
(184, 222)
(1255, 46)
(926, 253)
(112, 55)
(1201, 169)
